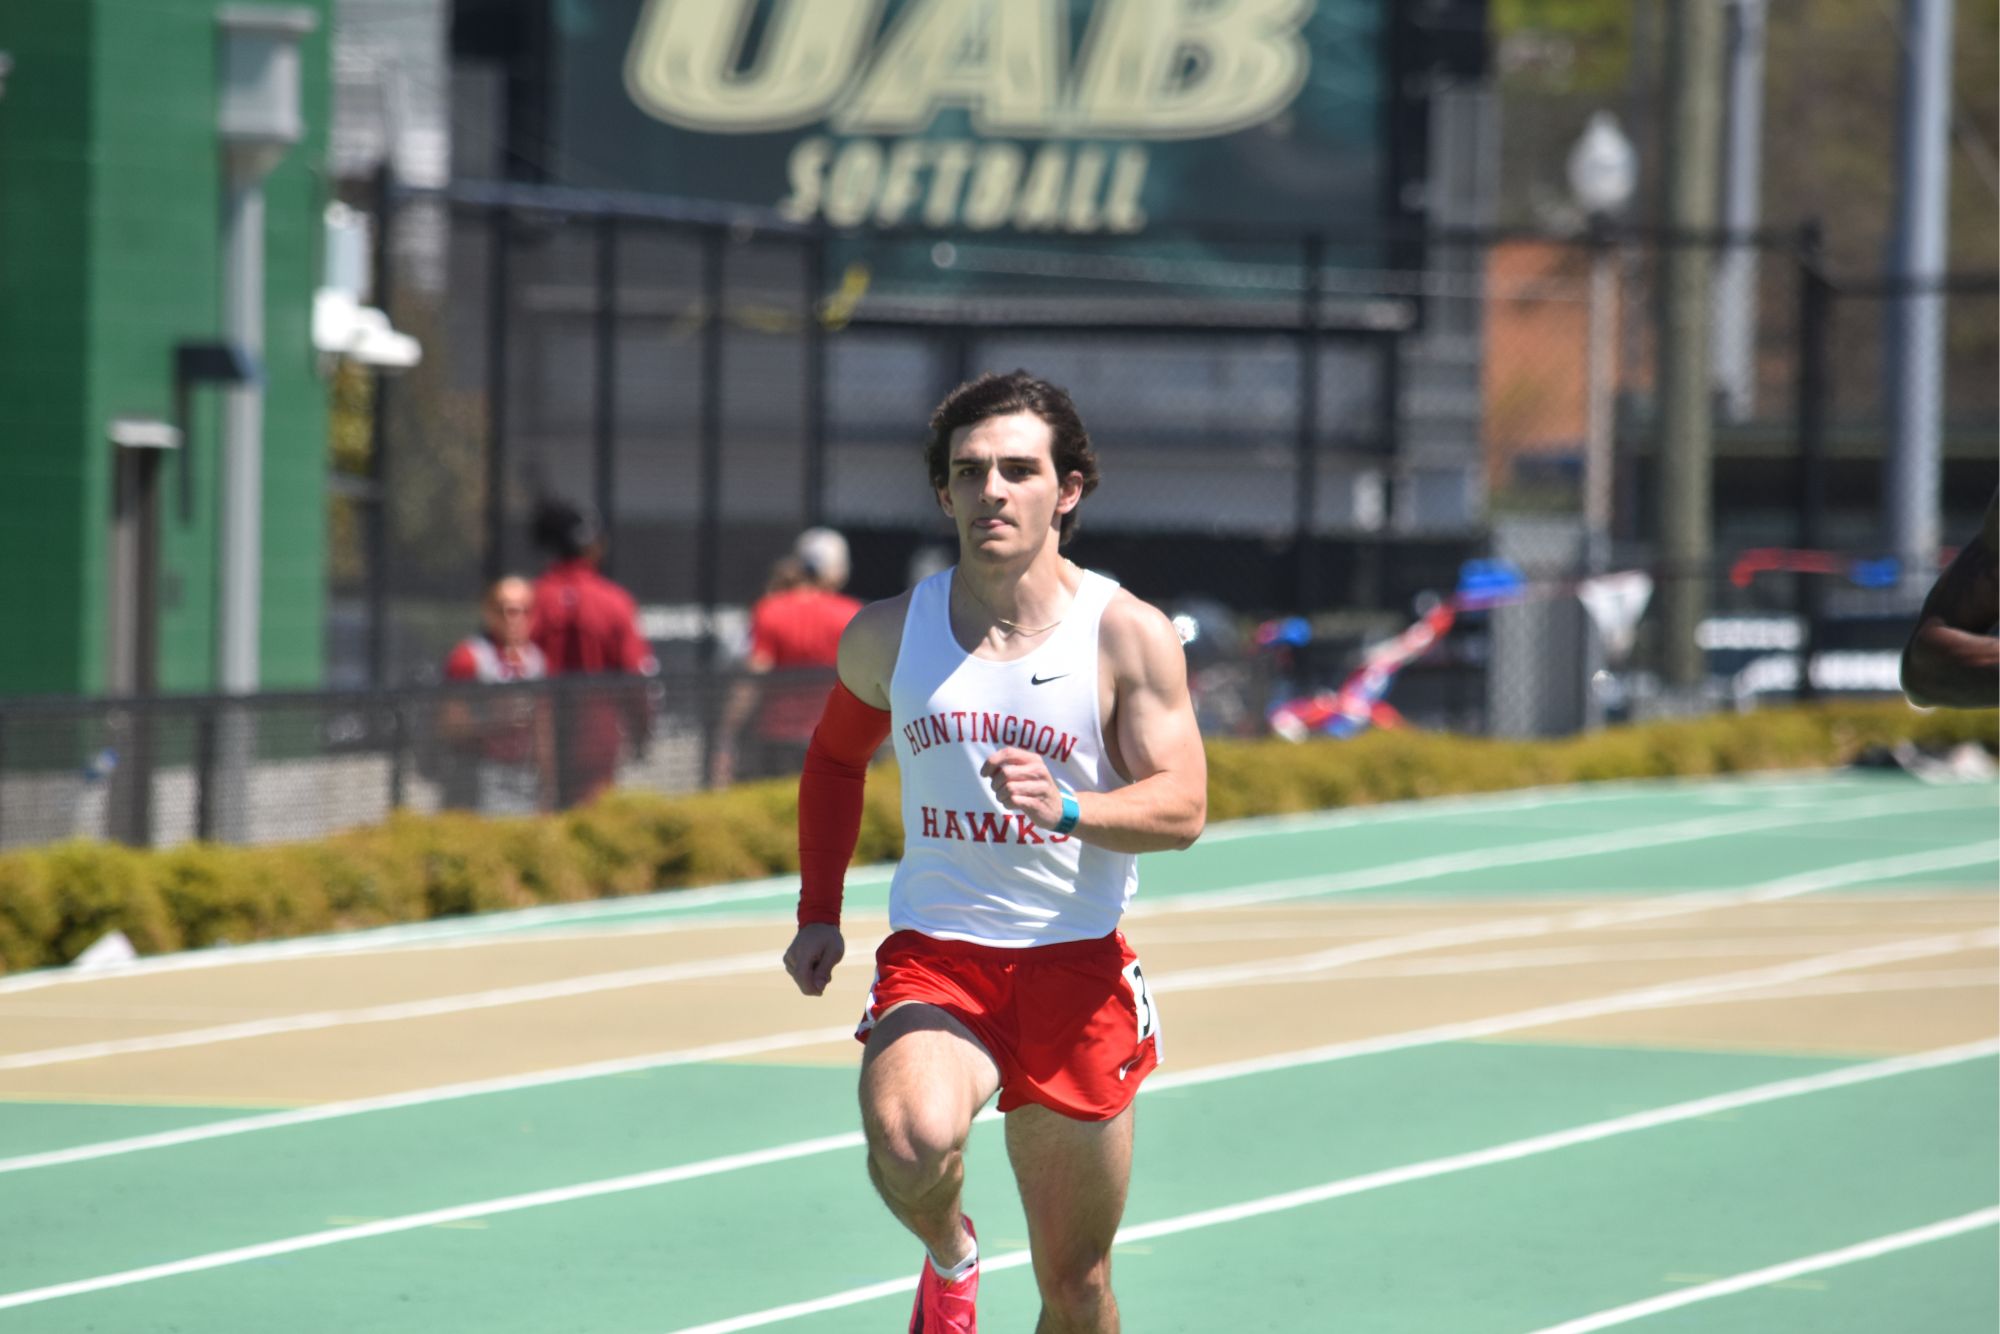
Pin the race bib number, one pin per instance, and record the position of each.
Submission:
(1142, 1000)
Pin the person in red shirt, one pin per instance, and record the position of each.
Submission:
(587, 625)
(795, 631)
(502, 762)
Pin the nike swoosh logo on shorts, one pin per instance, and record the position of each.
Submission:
(1044, 680)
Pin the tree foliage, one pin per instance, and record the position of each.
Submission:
(1565, 45)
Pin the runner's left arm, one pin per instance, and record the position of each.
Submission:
(1153, 728)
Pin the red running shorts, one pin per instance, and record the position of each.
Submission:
(1071, 1025)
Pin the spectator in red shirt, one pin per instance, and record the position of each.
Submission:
(795, 630)
(501, 765)
(587, 625)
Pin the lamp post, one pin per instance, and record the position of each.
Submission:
(258, 120)
(1603, 172)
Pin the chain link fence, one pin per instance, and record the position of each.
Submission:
(714, 383)
(1317, 428)
(278, 767)
(1309, 444)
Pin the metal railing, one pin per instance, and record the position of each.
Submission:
(279, 766)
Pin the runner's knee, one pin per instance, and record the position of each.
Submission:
(913, 1149)
(1075, 1291)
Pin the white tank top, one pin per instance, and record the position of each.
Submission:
(972, 870)
(490, 666)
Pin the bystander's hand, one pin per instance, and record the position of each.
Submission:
(813, 953)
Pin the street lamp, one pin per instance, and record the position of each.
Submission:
(1603, 167)
(258, 119)
(1603, 173)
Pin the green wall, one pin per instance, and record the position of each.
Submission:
(110, 208)
(45, 531)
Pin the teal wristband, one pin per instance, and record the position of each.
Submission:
(1071, 811)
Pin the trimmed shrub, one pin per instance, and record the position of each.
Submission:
(98, 888)
(30, 919)
(55, 901)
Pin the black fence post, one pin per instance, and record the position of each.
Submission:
(604, 408)
(136, 764)
(708, 554)
(138, 761)
(399, 758)
(1814, 384)
(377, 531)
(1307, 479)
(708, 557)
(815, 382)
(498, 282)
(204, 770)
(1392, 456)
(563, 689)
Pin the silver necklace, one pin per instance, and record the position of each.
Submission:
(1012, 627)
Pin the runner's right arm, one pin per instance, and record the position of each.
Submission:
(831, 786)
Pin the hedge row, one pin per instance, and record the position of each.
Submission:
(55, 901)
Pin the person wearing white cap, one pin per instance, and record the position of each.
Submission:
(823, 553)
(795, 631)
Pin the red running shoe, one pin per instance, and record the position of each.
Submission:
(946, 1308)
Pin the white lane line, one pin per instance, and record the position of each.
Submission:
(1168, 983)
(592, 984)
(1759, 1278)
(503, 928)
(828, 1144)
(1469, 803)
(299, 1116)
(1584, 919)
(1507, 961)
(1187, 981)
(435, 1218)
(1542, 1016)
(1923, 979)
(422, 935)
(765, 919)
(1436, 1167)
(1560, 849)
(1504, 961)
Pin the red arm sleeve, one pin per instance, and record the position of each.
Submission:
(461, 665)
(830, 790)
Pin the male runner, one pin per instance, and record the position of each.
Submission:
(1952, 659)
(1045, 736)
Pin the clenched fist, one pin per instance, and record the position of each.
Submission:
(1022, 782)
(812, 954)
